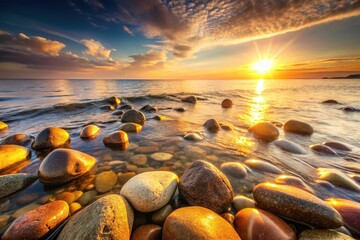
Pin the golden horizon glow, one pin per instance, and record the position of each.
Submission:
(264, 66)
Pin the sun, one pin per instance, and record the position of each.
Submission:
(264, 66)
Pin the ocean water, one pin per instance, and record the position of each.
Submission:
(28, 106)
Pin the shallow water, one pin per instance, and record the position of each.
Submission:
(28, 106)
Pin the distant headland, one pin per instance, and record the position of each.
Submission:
(352, 76)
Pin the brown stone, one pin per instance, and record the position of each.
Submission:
(90, 132)
(117, 139)
(130, 127)
(133, 116)
(265, 131)
(147, 232)
(17, 139)
(189, 99)
(226, 103)
(212, 125)
(337, 146)
(263, 166)
(295, 182)
(66, 196)
(299, 127)
(105, 181)
(234, 169)
(51, 138)
(12, 155)
(317, 234)
(323, 149)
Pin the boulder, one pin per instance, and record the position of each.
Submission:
(12, 183)
(11, 155)
(51, 138)
(299, 127)
(189, 99)
(90, 132)
(265, 131)
(133, 116)
(130, 127)
(226, 103)
(117, 139)
(212, 125)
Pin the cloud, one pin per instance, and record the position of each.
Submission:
(151, 58)
(126, 29)
(96, 49)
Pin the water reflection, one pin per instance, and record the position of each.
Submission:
(258, 106)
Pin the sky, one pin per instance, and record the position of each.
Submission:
(178, 39)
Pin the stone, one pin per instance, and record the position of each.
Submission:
(74, 207)
(146, 149)
(87, 197)
(150, 191)
(107, 108)
(295, 182)
(113, 100)
(193, 137)
(226, 126)
(321, 234)
(130, 127)
(228, 217)
(139, 159)
(63, 165)
(226, 103)
(331, 101)
(36, 223)
(105, 181)
(68, 197)
(25, 209)
(149, 108)
(295, 126)
(202, 184)
(189, 99)
(159, 117)
(254, 224)
(118, 112)
(133, 116)
(197, 223)
(263, 166)
(289, 146)
(180, 109)
(296, 204)
(17, 139)
(337, 146)
(241, 202)
(3, 126)
(234, 169)
(12, 155)
(194, 152)
(160, 215)
(161, 156)
(4, 218)
(338, 178)
(117, 139)
(350, 109)
(51, 138)
(265, 131)
(110, 217)
(212, 125)
(147, 232)
(131, 168)
(322, 149)
(90, 132)
(124, 177)
(350, 212)
(12, 183)
(125, 107)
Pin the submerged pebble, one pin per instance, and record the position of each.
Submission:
(193, 137)
(337, 146)
(234, 169)
(105, 181)
(265, 131)
(130, 127)
(212, 125)
(12, 183)
(161, 156)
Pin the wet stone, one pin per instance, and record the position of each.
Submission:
(90, 132)
(146, 149)
(17, 139)
(289, 146)
(12, 183)
(51, 138)
(189, 99)
(263, 166)
(107, 108)
(133, 116)
(265, 131)
(226, 126)
(193, 137)
(161, 156)
(226, 103)
(87, 197)
(124, 177)
(323, 149)
(66, 196)
(212, 125)
(113, 100)
(234, 169)
(105, 181)
(149, 108)
(317, 234)
(160, 215)
(139, 159)
(299, 127)
(12, 155)
(147, 232)
(130, 127)
(117, 139)
(180, 109)
(295, 182)
(337, 146)
(338, 178)
(118, 112)
(241, 202)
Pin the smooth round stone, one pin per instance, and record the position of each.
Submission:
(234, 169)
(338, 178)
(226, 103)
(241, 202)
(12, 183)
(87, 197)
(118, 113)
(160, 215)
(189, 99)
(12, 155)
(212, 125)
(147, 232)
(124, 177)
(197, 223)
(202, 184)
(350, 212)
(226, 126)
(317, 234)
(337, 146)
(146, 149)
(36, 223)
(254, 224)
(66, 196)
(63, 165)
(130, 127)
(133, 116)
(74, 207)
(150, 191)
(299, 127)
(3, 126)
(105, 181)
(139, 159)
(113, 100)
(193, 137)
(289, 146)
(125, 107)
(90, 132)
(149, 108)
(228, 217)
(296, 204)
(295, 182)
(17, 139)
(331, 101)
(110, 217)
(117, 139)
(180, 109)
(265, 131)
(107, 108)
(159, 117)
(51, 138)
(161, 156)
(322, 149)
(263, 166)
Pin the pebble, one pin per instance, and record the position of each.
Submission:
(263, 166)
(113, 100)
(118, 113)
(125, 106)
(197, 223)
(194, 152)
(254, 224)
(124, 177)
(51, 138)
(90, 132)
(36, 223)
(323, 149)
(321, 234)
(17, 139)
(331, 101)
(226, 126)
(63, 165)
(105, 181)
(226, 103)
(107, 108)
(139, 159)
(296, 204)
(146, 149)
(87, 197)
(289, 146)
(265, 131)
(68, 197)
(110, 217)
(3, 126)
(337, 146)
(241, 202)
(193, 137)
(77, 194)
(295, 182)
(159, 117)
(338, 178)
(131, 168)
(161, 156)
(12, 155)
(130, 127)
(149, 108)
(147, 232)
(133, 116)
(189, 99)
(180, 109)
(212, 125)
(150, 191)
(90, 187)
(74, 207)
(12, 183)
(160, 215)
(117, 139)
(299, 127)
(234, 169)
(202, 184)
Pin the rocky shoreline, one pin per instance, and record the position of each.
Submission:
(172, 198)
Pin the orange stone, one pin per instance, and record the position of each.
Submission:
(147, 232)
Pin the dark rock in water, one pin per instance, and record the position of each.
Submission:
(323, 149)
(263, 166)
(149, 108)
(63, 165)
(125, 107)
(90, 132)
(317, 234)
(226, 126)
(37, 223)
(11, 155)
(130, 127)
(234, 169)
(17, 139)
(193, 137)
(159, 117)
(180, 109)
(265, 131)
(277, 124)
(51, 138)
(212, 125)
(350, 109)
(296, 204)
(147, 232)
(107, 108)
(241, 202)
(204, 185)
(133, 116)
(331, 101)
(299, 127)
(337, 146)
(12, 183)
(289, 146)
(226, 103)
(295, 182)
(118, 112)
(110, 217)
(3, 126)
(117, 139)
(189, 99)
(113, 100)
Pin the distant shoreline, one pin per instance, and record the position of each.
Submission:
(353, 76)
